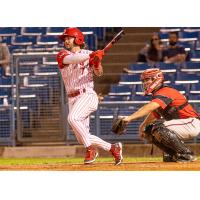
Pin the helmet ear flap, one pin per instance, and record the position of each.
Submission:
(78, 41)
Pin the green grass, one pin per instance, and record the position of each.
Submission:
(41, 161)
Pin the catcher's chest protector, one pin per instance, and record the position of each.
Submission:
(170, 112)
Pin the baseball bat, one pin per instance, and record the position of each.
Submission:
(114, 40)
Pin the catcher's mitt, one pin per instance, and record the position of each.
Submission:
(119, 126)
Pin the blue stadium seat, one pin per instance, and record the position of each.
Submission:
(181, 88)
(141, 98)
(7, 40)
(121, 90)
(100, 32)
(16, 48)
(187, 80)
(50, 80)
(192, 65)
(106, 111)
(167, 66)
(85, 29)
(186, 34)
(26, 69)
(187, 77)
(164, 35)
(5, 80)
(169, 77)
(188, 45)
(48, 40)
(139, 67)
(130, 78)
(116, 98)
(195, 88)
(127, 110)
(35, 68)
(191, 29)
(5, 91)
(33, 31)
(10, 31)
(48, 68)
(24, 40)
(191, 68)
(169, 70)
(195, 54)
(55, 30)
(91, 41)
(192, 96)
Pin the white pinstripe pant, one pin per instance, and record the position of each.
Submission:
(80, 108)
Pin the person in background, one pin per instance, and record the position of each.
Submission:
(4, 57)
(174, 53)
(153, 52)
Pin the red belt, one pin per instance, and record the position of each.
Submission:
(76, 93)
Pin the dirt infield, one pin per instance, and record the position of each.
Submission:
(135, 166)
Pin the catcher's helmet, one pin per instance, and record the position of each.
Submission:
(73, 32)
(154, 76)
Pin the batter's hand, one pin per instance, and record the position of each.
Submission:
(95, 58)
(98, 55)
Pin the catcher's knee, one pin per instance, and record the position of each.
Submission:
(166, 139)
(158, 130)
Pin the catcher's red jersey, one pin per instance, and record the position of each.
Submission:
(170, 96)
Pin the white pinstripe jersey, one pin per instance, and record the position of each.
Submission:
(78, 76)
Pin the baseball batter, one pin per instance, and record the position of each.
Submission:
(77, 66)
(170, 118)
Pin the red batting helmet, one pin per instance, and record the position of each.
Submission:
(73, 32)
(156, 77)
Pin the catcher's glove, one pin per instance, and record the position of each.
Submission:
(119, 126)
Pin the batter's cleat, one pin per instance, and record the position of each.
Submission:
(91, 155)
(116, 150)
(184, 158)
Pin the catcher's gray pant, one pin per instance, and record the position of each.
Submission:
(184, 128)
(80, 108)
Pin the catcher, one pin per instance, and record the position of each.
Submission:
(170, 119)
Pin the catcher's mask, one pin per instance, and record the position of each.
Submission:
(73, 32)
(151, 79)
